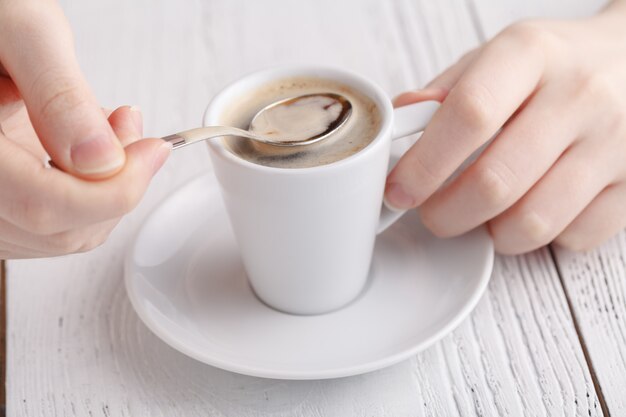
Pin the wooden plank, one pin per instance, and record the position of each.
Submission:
(518, 354)
(76, 347)
(595, 283)
(87, 352)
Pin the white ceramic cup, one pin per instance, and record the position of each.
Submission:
(306, 235)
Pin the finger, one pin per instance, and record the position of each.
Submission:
(18, 129)
(519, 156)
(37, 51)
(10, 99)
(486, 95)
(410, 97)
(127, 123)
(62, 243)
(553, 203)
(47, 201)
(602, 219)
(16, 251)
(9, 251)
(439, 87)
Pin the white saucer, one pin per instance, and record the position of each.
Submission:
(185, 280)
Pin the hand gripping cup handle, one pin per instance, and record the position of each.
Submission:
(407, 120)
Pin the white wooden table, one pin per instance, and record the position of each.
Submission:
(548, 338)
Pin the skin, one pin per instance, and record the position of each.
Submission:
(552, 95)
(47, 109)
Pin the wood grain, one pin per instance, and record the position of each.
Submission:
(518, 354)
(88, 354)
(76, 347)
(596, 286)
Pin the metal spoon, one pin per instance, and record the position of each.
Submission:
(203, 133)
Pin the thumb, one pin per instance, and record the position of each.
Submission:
(37, 51)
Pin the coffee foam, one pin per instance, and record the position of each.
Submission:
(361, 128)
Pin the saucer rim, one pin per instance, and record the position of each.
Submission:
(264, 372)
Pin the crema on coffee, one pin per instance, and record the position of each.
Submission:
(360, 129)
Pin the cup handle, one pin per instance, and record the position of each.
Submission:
(407, 120)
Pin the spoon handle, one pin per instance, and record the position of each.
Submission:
(188, 137)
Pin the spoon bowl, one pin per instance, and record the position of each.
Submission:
(276, 124)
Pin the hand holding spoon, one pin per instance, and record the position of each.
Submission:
(295, 121)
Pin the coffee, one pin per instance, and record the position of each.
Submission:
(360, 129)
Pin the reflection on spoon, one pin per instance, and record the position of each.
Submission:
(294, 121)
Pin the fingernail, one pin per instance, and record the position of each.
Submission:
(423, 94)
(135, 112)
(160, 156)
(405, 98)
(397, 198)
(97, 155)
